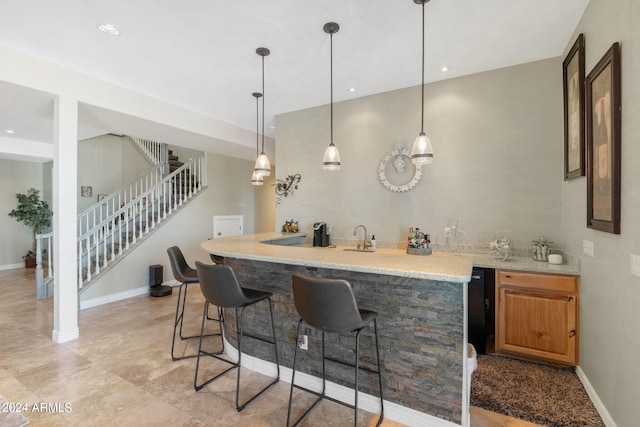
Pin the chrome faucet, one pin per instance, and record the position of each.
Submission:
(364, 240)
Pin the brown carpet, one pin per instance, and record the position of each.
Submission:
(542, 394)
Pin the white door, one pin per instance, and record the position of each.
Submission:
(227, 225)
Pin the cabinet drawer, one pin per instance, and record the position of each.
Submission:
(550, 282)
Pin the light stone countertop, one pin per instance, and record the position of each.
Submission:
(521, 263)
(442, 266)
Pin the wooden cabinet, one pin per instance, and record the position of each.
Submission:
(537, 316)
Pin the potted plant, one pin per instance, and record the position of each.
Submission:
(35, 214)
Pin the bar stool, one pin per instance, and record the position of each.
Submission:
(329, 306)
(221, 288)
(186, 276)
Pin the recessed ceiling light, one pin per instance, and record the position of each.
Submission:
(10, 131)
(444, 69)
(109, 29)
(352, 89)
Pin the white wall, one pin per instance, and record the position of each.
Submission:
(610, 295)
(497, 138)
(100, 167)
(16, 177)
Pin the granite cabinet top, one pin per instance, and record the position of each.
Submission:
(521, 263)
(291, 248)
(439, 266)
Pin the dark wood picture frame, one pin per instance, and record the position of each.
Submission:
(573, 91)
(603, 116)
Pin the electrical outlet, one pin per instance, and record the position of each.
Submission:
(303, 342)
(587, 247)
(635, 264)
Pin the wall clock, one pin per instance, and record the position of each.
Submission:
(393, 175)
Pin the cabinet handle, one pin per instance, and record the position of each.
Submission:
(570, 298)
(572, 333)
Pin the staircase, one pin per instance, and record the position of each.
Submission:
(114, 226)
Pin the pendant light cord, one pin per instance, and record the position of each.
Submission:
(257, 125)
(331, 73)
(422, 118)
(262, 105)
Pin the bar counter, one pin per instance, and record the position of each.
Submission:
(420, 302)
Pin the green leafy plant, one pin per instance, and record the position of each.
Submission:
(32, 212)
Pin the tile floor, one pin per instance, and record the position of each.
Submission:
(119, 372)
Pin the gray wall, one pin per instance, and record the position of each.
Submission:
(497, 138)
(229, 192)
(16, 177)
(610, 295)
(106, 163)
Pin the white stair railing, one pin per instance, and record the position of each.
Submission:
(157, 152)
(44, 246)
(106, 237)
(106, 207)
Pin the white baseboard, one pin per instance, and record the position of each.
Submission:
(66, 336)
(392, 411)
(12, 266)
(602, 410)
(94, 302)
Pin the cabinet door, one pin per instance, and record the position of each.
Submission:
(538, 321)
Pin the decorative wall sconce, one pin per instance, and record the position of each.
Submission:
(285, 187)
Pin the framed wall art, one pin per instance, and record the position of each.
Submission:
(573, 91)
(603, 118)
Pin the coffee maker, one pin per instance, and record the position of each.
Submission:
(320, 234)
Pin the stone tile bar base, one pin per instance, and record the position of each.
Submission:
(420, 325)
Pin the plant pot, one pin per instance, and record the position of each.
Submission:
(30, 263)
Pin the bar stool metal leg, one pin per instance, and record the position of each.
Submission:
(179, 320)
(321, 395)
(375, 330)
(197, 386)
(240, 334)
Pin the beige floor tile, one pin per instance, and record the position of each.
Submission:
(120, 372)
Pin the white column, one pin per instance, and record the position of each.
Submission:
(65, 184)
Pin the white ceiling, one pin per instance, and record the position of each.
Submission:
(200, 54)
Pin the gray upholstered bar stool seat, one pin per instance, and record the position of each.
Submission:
(186, 275)
(329, 306)
(221, 288)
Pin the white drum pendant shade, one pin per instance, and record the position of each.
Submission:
(422, 152)
(263, 167)
(331, 159)
(256, 179)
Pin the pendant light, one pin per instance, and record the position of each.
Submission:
(263, 167)
(331, 159)
(255, 178)
(422, 152)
